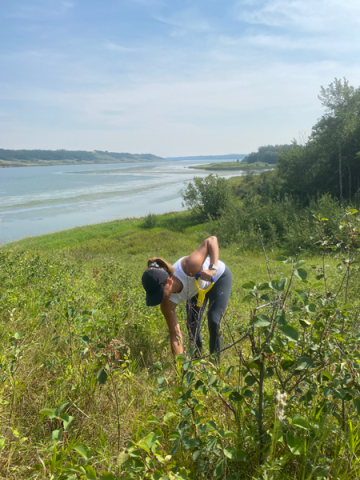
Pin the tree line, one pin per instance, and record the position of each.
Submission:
(323, 175)
(29, 157)
(267, 154)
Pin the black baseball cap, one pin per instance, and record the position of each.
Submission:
(153, 281)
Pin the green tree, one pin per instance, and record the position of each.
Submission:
(339, 99)
(207, 197)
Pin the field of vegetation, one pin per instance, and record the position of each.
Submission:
(88, 386)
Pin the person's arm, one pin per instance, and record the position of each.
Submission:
(193, 263)
(176, 340)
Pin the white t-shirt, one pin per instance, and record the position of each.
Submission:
(189, 289)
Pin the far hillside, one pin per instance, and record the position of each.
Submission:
(230, 156)
(30, 158)
(267, 154)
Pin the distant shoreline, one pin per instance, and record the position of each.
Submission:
(230, 156)
(44, 158)
(235, 166)
(72, 162)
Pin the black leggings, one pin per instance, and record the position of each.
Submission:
(218, 298)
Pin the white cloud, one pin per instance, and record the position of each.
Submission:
(303, 15)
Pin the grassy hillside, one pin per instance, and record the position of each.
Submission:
(89, 388)
(30, 158)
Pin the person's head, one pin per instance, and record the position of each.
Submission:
(157, 281)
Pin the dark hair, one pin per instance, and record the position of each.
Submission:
(158, 262)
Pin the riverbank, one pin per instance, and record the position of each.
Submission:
(241, 166)
(33, 158)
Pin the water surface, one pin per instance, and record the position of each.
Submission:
(39, 200)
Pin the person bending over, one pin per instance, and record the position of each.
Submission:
(167, 285)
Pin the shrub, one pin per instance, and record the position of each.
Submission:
(150, 221)
(207, 197)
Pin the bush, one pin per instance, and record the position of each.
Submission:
(207, 197)
(283, 223)
(150, 221)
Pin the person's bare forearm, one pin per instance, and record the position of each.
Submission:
(213, 250)
(176, 339)
(176, 343)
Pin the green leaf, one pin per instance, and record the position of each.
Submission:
(67, 419)
(212, 379)
(280, 318)
(301, 273)
(299, 263)
(50, 412)
(147, 442)
(303, 296)
(356, 403)
(300, 422)
(158, 366)
(249, 285)
(122, 457)
(261, 321)
(290, 332)
(181, 474)
(161, 379)
(281, 259)
(167, 417)
(235, 454)
(107, 476)
(247, 298)
(326, 376)
(186, 366)
(219, 468)
(304, 362)
(235, 397)
(295, 445)
(278, 285)
(311, 308)
(250, 380)
(102, 376)
(57, 434)
(90, 473)
(60, 408)
(152, 419)
(262, 286)
(346, 306)
(196, 455)
(18, 335)
(189, 378)
(83, 450)
(304, 323)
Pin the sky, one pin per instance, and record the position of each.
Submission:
(170, 77)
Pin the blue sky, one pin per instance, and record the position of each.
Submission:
(170, 77)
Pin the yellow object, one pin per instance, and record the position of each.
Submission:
(202, 293)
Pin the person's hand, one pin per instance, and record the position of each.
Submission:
(207, 274)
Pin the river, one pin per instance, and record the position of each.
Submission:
(40, 200)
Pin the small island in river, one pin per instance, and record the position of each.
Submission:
(235, 166)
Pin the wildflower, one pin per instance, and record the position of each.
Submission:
(280, 402)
